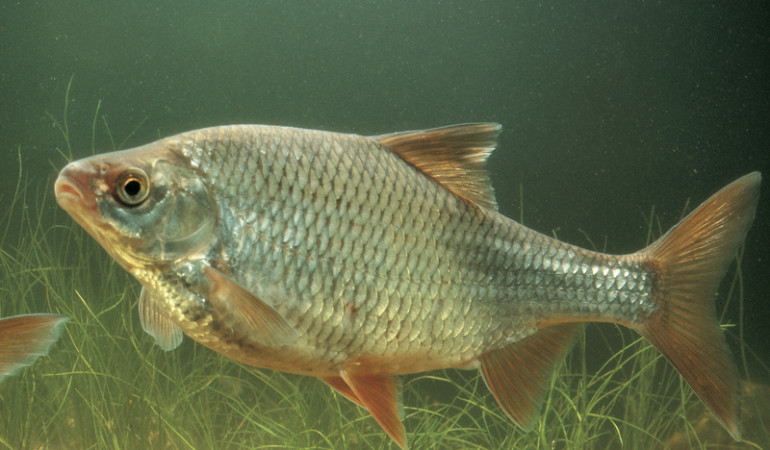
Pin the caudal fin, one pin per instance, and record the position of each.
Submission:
(25, 338)
(689, 261)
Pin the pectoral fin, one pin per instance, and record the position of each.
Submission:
(157, 323)
(379, 394)
(518, 374)
(247, 314)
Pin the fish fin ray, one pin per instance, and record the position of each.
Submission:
(381, 396)
(689, 261)
(454, 156)
(518, 374)
(339, 385)
(158, 324)
(246, 313)
(25, 338)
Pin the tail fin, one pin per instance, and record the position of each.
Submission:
(690, 260)
(25, 338)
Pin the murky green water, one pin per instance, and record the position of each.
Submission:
(608, 109)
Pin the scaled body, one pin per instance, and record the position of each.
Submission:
(357, 258)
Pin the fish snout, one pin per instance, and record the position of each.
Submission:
(73, 188)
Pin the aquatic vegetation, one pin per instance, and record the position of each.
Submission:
(106, 384)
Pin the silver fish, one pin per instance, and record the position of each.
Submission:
(355, 259)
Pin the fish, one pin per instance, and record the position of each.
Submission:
(357, 259)
(25, 338)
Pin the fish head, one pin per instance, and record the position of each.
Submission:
(146, 206)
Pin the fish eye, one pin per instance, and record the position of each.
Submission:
(132, 187)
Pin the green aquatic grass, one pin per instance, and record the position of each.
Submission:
(106, 385)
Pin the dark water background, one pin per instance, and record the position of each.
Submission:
(608, 108)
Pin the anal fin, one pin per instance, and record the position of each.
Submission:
(157, 323)
(518, 374)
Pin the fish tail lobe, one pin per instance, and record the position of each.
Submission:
(25, 338)
(689, 262)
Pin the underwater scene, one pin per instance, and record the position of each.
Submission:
(618, 120)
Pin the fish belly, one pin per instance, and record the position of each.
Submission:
(372, 261)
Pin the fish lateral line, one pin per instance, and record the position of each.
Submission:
(406, 205)
(688, 261)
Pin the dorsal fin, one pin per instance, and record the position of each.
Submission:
(454, 156)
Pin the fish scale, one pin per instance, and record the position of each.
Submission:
(540, 287)
(355, 259)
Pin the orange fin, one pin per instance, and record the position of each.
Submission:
(518, 374)
(157, 323)
(689, 262)
(247, 314)
(454, 156)
(342, 387)
(381, 396)
(25, 338)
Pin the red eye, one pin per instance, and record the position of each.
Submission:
(132, 187)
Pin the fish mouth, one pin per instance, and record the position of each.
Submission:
(71, 190)
(74, 196)
(67, 193)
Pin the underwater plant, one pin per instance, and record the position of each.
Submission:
(107, 384)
